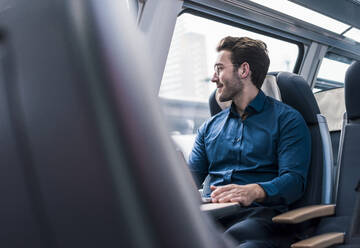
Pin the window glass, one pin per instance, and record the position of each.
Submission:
(331, 72)
(186, 85)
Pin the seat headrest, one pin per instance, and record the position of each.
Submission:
(352, 91)
(213, 104)
(297, 93)
(269, 88)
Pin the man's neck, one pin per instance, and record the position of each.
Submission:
(242, 100)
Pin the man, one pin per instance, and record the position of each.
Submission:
(256, 152)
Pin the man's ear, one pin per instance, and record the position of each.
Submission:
(244, 70)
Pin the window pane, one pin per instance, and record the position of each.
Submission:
(186, 85)
(331, 74)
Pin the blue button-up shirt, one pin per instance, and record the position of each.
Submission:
(271, 147)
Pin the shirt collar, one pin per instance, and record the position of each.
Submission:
(233, 111)
(257, 103)
(255, 106)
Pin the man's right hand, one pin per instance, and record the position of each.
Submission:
(244, 194)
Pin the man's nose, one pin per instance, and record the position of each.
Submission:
(215, 78)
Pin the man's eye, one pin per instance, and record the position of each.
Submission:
(218, 69)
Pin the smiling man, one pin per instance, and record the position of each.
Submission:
(256, 152)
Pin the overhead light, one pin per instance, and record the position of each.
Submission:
(305, 14)
(354, 34)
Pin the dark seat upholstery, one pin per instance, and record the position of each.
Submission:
(83, 164)
(213, 105)
(297, 93)
(350, 142)
(347, 212)
(347, 208)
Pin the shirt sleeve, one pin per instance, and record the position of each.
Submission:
(198, 162)
(294, 149)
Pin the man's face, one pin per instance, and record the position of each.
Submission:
(227, 80)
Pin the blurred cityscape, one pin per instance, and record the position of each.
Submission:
(186, 73)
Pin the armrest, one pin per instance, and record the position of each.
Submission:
(218, 210)
(305, 213)
(320, 241)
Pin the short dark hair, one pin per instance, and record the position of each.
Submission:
(245, 49)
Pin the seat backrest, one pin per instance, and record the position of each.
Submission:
(82, 163)
(297, 93)
(349, 168)
(16, 176)
(347, 210)
(269, 87)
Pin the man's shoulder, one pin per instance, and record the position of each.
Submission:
(285, 113)
(282, 108)
(288, 116)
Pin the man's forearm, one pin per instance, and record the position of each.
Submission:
(284, 189)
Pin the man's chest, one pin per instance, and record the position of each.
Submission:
(242, 141)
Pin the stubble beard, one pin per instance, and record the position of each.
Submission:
(234, 87)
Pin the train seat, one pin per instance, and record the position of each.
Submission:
(347, 213)
(343, 228)
(296, 92)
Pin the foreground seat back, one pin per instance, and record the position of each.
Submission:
(21, 217)
(84, 164)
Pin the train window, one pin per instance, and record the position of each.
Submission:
(331, 72)
(186, 85)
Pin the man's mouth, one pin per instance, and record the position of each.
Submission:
(219, 88)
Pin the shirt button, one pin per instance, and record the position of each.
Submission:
(238, 140)
(227, 176)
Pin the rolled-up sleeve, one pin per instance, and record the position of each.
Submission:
(198, 162)
(293, 151)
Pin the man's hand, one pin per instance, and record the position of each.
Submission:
(244, 194)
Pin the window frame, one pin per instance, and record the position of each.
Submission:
(335, 57)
